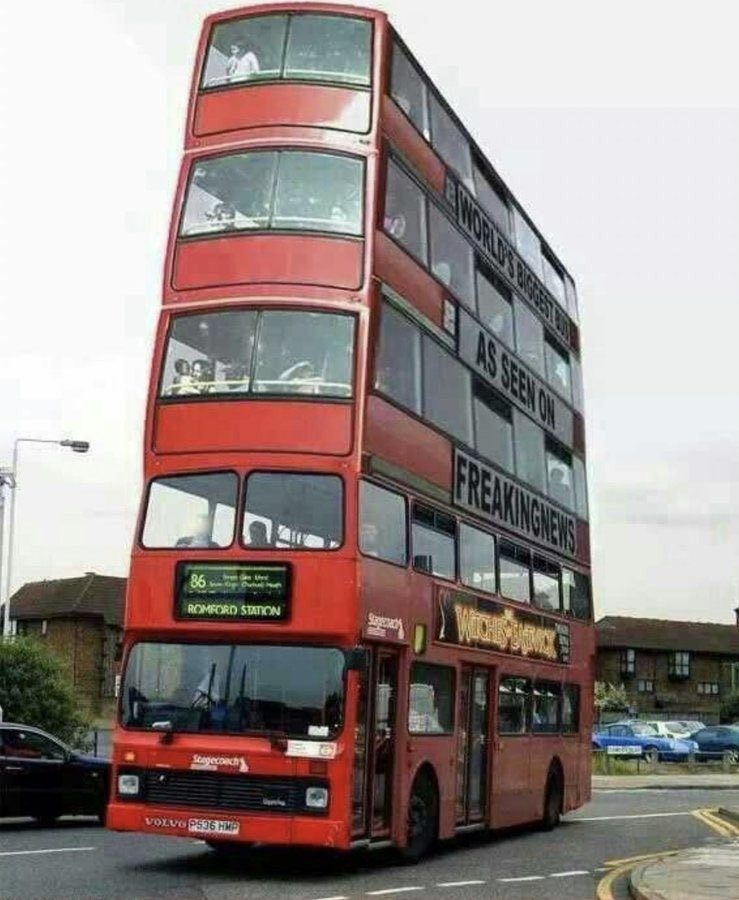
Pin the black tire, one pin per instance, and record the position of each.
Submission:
(423, 819)
(651, 755)
(47, 818)
(732, 757)
(553, 801)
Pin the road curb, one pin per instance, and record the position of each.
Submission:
(637, 887)
(731, 814)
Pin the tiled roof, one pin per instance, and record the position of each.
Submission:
(663, 634)
(89, 595)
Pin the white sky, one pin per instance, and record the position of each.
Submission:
(616, 125)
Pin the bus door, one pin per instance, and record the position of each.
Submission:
(472, 758)
(375, 750)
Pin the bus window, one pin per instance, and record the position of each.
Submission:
(560, 485)
(191, 511)
(450, 143)
(382, 529)
(546, 584)
(545, 718)
(288, 190)
(528, 243)
(408, 90)
(329, 48)
(581, 487)
(570, 708)
(494, 307)
(398, 365)
(493, 426)
(553, 280)
(245, 50)
(431, 699)
(432, 540)
(405, 212)
(558, 368)
(289, 510)
(576, 594)
(529, 446)
(447, 391)
(529, 337)
(577, 391)
(476, 558)
(492, 200)
(513, 705)
(514, 567)
(451, 257)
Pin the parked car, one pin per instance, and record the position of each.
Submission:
(41, 777)
(691, 725)
(672, 729)
(717, 739)
(638, 735)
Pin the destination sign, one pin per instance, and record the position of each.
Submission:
(484, 491)
(473, 621)
(233, 592)
(492, 361)
(495, 247)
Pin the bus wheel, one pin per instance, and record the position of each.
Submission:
(553, 797)
(423, 816)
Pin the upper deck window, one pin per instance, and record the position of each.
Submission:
(405, 212)
(291, 190)
(493, 200)
(528, 243)
(450, 143)
(194, 511)
(274, 351)
(408, 90)
(494, 306)
(554, 281)
(328, 48)
(451, 257)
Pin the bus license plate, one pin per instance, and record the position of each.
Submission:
(212, 826)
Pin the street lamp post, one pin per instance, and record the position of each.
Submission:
(10, 478)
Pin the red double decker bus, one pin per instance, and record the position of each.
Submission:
(359, 607)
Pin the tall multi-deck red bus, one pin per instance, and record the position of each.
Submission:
(359, 603)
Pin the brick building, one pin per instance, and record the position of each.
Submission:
(81, 619)
(670, 669)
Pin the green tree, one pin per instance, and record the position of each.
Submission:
(610, 696)
(36, 690)
(730, 709)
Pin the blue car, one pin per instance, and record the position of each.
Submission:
(640, 739)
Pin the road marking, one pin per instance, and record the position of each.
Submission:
(399, 890)
(50, 850)
(620, 867)
(523, 878)
(716, 825)
(713, 815)
(569, 874)
(338, 897)
(610, 863)
(660, 815)
(457, 883)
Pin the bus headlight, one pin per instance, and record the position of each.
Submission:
(128, 785)
(316, 798)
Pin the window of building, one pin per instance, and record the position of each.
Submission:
(732, 676)
(452, 259)
(528, 243)
(708, 688)
(492, 199)
(449, 142)
(628, 662)
(290, 190)
(547, 697)
(529, 337)
(431, 699)
(408, 90)
(560, 480)
(529, 451)
(558, 368)
(494, 306)
(679, 664)
(433, 539)
(195, 511)
(514, 568)
(570, 708)
(576, 594)
(578, 399)
(493, 426)
(514, 697)
(382, 527)
(447, 391)
(476, 558)
(645, 686)
(571, 295)
(546, 584)
(405, 212)
(398, 367)
(554, 280)
(581, 487)
(295, 511)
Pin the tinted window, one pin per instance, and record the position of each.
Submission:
(260, 190)
(476, 558)
(446, 391)
(195, 511)
(560, 481)
(513, 705)
(432, 540)
(450, 143)
(398, 367)
(545, 717)
(409, 91)
(29, 745)
(581, 488)
(558, 369)
(514, 565)
(529, 338)
(451, 257)
(529, 444)
(546, 584)
(329, 48)
(405, 212)
(576, 594)
(285, 509)
(494, 308)
(382, 529)
(431, 699)
(570, 708)
(528, 243)
(493, 201)
(493, 426)
(245, 50)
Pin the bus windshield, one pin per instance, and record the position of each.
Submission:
(260, 352)
(293, 691)
(326, 48)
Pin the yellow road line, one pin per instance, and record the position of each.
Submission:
(636, 859)
(718, 827)
(620, 867)
(730, 827)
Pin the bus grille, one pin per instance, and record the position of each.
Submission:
(247, 793)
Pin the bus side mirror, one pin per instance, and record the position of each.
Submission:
(357, 659)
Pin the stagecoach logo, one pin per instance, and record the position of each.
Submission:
(161, 822)
(383, 626)
(475, 622)
(213, 763)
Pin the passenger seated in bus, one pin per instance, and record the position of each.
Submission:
(258, 535)
(201, 536)
(223, 213)
(183, 382)
(369, 539)
(202, 374)
(559, 488)
(243, 61)
(443, 272)
(304, 374)
(396, 225)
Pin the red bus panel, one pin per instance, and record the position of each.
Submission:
(259, 425)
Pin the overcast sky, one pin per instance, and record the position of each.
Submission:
(615, 124)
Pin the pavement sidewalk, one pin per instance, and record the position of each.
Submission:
(703, 873)
(667, 782)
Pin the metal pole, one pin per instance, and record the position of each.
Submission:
(11, 526)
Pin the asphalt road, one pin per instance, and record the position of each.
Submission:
(78, 859)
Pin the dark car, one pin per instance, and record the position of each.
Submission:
(717, 739)
(42, 777)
